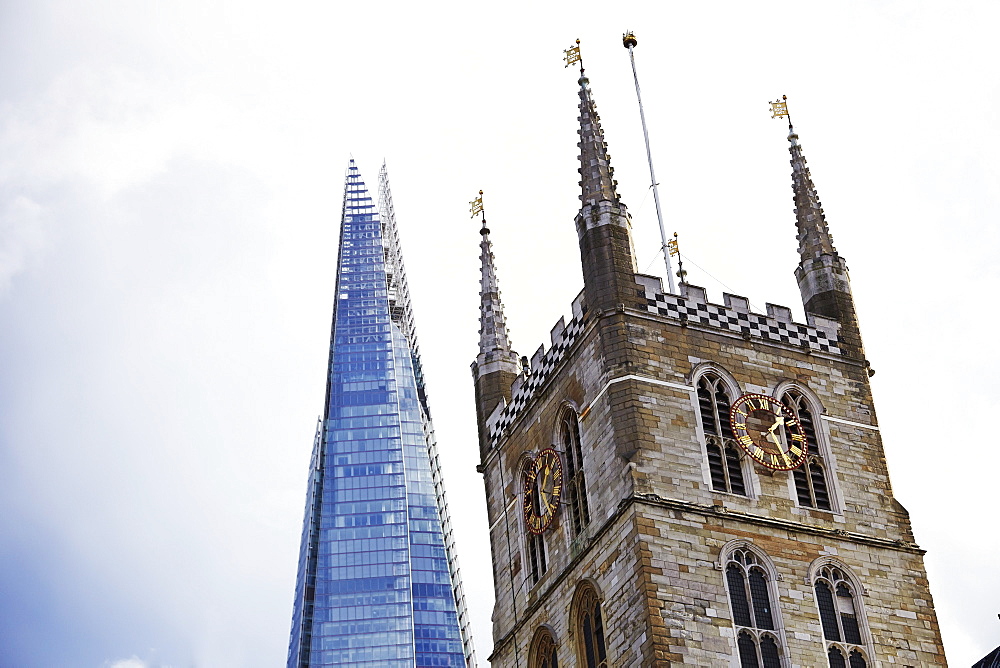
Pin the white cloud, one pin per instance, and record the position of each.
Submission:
(20, 236)
(133, 662)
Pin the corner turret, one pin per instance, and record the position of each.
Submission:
(497, 365)
(603, 225)
(821, 273)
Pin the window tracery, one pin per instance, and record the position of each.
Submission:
(724, 462)
(543, 650)
(590, 629)
(755, 618)
(836, 657)
(575, 485)
(811, 479)
(840, 615)
(535, 542)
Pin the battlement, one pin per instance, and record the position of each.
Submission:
(734, 315)
(563, 335)
(691, 307)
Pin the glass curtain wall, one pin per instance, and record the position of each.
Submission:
(374, 587)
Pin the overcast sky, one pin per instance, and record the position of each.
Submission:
(171, 178)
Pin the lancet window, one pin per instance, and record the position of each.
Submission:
(590, 629)
(839, 612)
(837, 660)
(575, 485)
(811, 485)
(750, 596)
(543, 650)
(535, 547)
(724, 462)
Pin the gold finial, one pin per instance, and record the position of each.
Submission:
(779, 108)
(477, 205)
(674, 249)
(629, 40)
(572, 55)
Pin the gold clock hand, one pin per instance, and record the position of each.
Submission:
(779, 421)
(542, 493)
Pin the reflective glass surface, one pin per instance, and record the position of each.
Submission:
(374, 586)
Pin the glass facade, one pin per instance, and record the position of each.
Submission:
(376, 586)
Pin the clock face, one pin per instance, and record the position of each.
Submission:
(768, 431)
(543, 481)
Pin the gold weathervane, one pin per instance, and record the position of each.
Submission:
(477, 205)
(674, 249)
(573, 55)
(779, 108)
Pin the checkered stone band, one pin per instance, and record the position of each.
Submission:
(752, 324)
(539, 376)
(671, 306)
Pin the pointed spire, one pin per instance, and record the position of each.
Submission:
(596, 173)
(603, 224)
(822, 273)
(496, 366)
(813, 234)
(492, 324)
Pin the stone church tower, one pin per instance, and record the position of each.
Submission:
(679, 482)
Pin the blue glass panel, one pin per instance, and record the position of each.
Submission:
(374, 586)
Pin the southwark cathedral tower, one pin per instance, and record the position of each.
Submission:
(676, 481)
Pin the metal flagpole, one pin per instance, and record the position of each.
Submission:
(629, 41)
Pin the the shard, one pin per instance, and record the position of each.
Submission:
(378, 581)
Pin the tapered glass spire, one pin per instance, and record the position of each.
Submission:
(378, 582)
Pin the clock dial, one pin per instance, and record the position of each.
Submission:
(543, 483)
(768, 431)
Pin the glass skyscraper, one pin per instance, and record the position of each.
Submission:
(378, 581)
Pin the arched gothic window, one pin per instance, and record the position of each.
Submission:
(811, 486)
(590, 629)
(839, 612)
(762, 654)
(836, 657)
(753, 613)
(724, 465)
(535, 542)
(575, 485)
(543, 650)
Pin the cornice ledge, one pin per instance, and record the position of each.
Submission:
(761, 520)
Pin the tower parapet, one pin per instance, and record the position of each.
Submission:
(692, 308)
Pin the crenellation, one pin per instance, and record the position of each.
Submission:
(693, 293)
(736, 303)
(649, 284)
(779, 313)
(536, 360)
(516, 389)
(556, 333)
